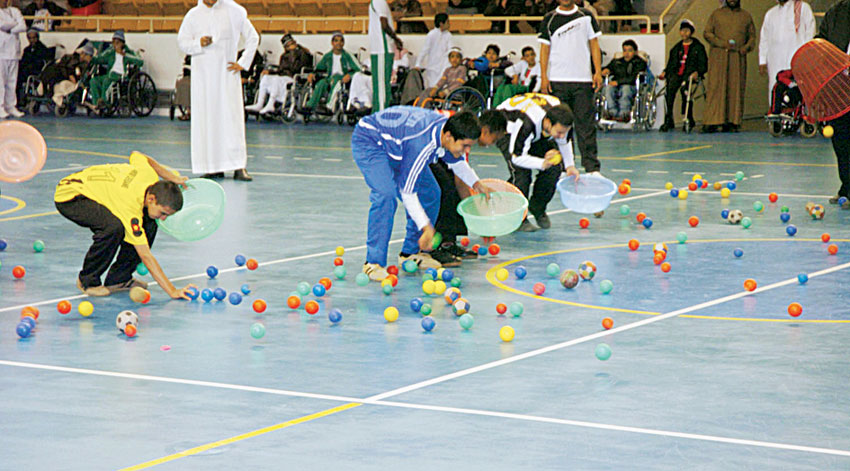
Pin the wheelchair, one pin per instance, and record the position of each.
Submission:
(643, 113)
(135, 93)
(787, 110)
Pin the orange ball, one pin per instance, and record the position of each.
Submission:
(583, 223)
(640, 217)
(626, 181)
(311, 307)
(750, 284)
(665, 267)
(338, 262)
(832, 249)
(293, 302)
(704, 184)
(718, 185)
(64, 307)
(824, 237)
(392, 270)
(693, 221)
(476, 247)
(251, 264)
(326, 282)
(659, 257)
(393, 279)
(692, 186)
(130, 330)
(634, 244)
(624, 189)
(501, 308)
(464, 241)
(494, 249)
(607, 323)
(259, 306)
(19, 272)
(773, 197)
(795, 309)
(30, 311)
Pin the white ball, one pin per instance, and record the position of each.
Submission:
(125, 318)
(735, 216)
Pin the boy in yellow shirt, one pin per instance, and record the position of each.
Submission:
(120, 203)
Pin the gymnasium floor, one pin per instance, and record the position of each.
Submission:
(702, 376)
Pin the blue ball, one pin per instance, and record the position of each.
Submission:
(731, 186)
(738, 253)
(448, 275)
(802, 278)
(235, 298)
(207, 294)
(245, 289)
(212, 271)
(647, 223)
(432, 272)
(3, 245)
(520, 272)
(335, 315)
(482, 251)
(674, 192)
(193, 293)
(240, 260)
(219, 294)
(785, 217)
(319, 289)
(841, 201)
(415, 304)
(428, 324)
(724, 214)
(23, 330)
(28, 321)
(791, 230)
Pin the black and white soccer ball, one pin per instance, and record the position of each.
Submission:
(125, 318)
(735, 216)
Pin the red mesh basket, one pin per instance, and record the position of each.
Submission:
(821, 72)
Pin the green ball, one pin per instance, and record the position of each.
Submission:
(387, 288)
(304, 288)
(624, 210)
(258, 330)
(516, 309)
(466, 321)
(361, 279)
(456, 281)
(427, 276)
(606, 286)
(758, 206)
(437, 240)
(425, 310)
(553, 269)
(141, 269)
(682, 237)
(739, 175)
(746, 222)
(409, 266)
(339, 272)
(603, 351)
(38, 246)
(785, 209)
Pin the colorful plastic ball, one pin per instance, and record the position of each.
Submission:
(569, 279)
(391, 314)
(19, 272)
(23, 330)
(251, 264)
(460, 307)
(817, 211)
(502, 274)
(482, 251)
(141, 269)
(340, 251)
(693, 221)
(828, 131)
(245, 289)
(795, 309)
(207, 295)
(516, 309)
(416, 304)
(219, 294)
(626, 181)
(746, 222)
(259, 306)
(553, 269)
(758, 206)
(311, 307)
(683, 195)
(606, 286)
(647, 223)
(539, 289)
(494, 249)
(456, 281)
(624, 210)
(584, 223)
(447, 275)
(452, 295)
(64, 307)
(428, 324)
(235, 298)
(38, 246)
(436, 240)
(668, 186)
(607, 323)
(738, 253)
(692, 186)
(624, 189)
(665, 267)
(361, 279)
(731, 186)
(717, 186)
(30, 311)
(212, 271)
(85, 308)
(739, 175)
(639, 217)
(131, 330)
(681, 237)
(674, 193)
(391, 279)
(28, 321)
(319, 290)
(432, 272)
(327, 283)
(802, 278)
(784, 217)
(258, 330)
(842, 200)
(387, 289)
(659, 257)
(466, 321)
(750, 284)
(392, 270)
(501, 308)
(520, 272)
(340, 272)
(773, 197)
(832, 249)
(335, 315)
(440, 287)
(293, 302)
(427, 276)
(426, 309)
(506, 333)
(587, 270)
(659, 247)
(464, 241)
(791, 230)
(725, 192)
(825, 237)
(697, 177)
(603, 351)
(785, 209)
(409, 266)
(634, 244)
(338, 262)
(704, 184)
(240, 260)
(303, 288)
(724, 213)
(3, 245)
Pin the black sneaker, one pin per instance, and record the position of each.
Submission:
(458, 251)
(445, 258)
(708, 129)
(543, 221)
(527, 226)
(666, 127)
(834, 199)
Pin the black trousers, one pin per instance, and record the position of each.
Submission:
(579, 97)
(449, 223)
(841, 145)
(107, 239)
(674, 86)
(545, 182)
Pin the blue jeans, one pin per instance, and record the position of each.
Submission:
(620, 99)
(382, 176)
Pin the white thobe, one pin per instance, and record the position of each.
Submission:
(778, 42)
(218, 122)
(434, 57)
(11, 24)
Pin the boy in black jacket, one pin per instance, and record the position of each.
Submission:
(623, 73)
(687, 59)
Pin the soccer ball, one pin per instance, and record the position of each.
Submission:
(817, 211)
(460, 307)
(735, 216)
(452, 295)
(659, 247)
(569, 279)
(587, 270)
(125, 318)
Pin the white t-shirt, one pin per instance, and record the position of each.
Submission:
(526, 73)
(380, 42)
(336, 68)
(568, 34)
(118, 66)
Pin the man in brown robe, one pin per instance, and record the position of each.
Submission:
(732, 35)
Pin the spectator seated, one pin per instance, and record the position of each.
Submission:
(35, 57)
(623, 79)
(453, 78)
(43, 8)
(276, 82)
(338, 66)
(524, 75)
(116, 59)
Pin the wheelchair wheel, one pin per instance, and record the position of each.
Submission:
(465, 99)
(287, 112)
(775, 128)
(141, 94)
(650, 112)
(61, 111)
(808, 130)
(32, 107)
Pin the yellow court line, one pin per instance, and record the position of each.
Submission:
(738, 162)
(678, 151)
(491, 277)
(244, 436)
(19, 205)
(28, 216)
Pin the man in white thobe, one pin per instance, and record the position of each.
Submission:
(11, 25)
(434, 57)
(786, 27)
(210, 33)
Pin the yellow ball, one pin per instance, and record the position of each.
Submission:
(828, 131)
(696, 177)
(502, 274)
(668, 186)
(85, 308)
(440, 273)
(386, 282)
(556, 159)
(683, 194)
(439, 287)
(339, 251)
(718, 185)
(506, 333)
(391, 314)
(724, 193)
(428, 287)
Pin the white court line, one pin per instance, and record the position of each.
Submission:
(706, 191)
(757, 176)
(621, 200)
(487, 165)
(63, 169)
(622, 170)
(332, 160)
(307, 175)
(274, 157)
(303, 158)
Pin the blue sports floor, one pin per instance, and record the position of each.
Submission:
(703, 375)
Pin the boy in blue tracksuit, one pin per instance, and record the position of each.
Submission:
(393, 149)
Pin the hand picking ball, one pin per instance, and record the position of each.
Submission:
(391, 314)
(795, 309)
(506, 333)
(259, 306)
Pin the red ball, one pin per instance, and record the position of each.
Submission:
(692, 186)
(624, 189)
(64, 307)
(750, 284)
(795, 309)
(626, 181)
(665, 267)
(494, 249)
(773, 197)
(704, 184)
(693, 221)
(488, 239)
(338, 262)
(130, 330)
(19, 272)
(392, 270)
(832, 249)
(607, 323)
(259, 306)
(293, 302)
(824, 237)
(640, 217)
(393, 279)
(326, 282)
(634, 244)
(659, 257)
(476, 247)
(311, 307)
(583, 223)
(464, 241)
(501, 308)
(539, 288)
(251, 264)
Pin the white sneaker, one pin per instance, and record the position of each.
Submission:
(269, 108)
(15, 112)
(422, 259)
(255, 107)
(375, 271)
(3, 114)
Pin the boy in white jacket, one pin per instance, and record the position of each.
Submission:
(11, 25)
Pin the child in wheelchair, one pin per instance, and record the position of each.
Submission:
(58, 79)
(525, 77)
(786, 108)
(453, 77)
(117, 59)
(623, 73)
(338, 66)
(275, 82)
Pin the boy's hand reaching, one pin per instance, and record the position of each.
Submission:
(183, 293)
(426, 240)
(572, 171)
(483, 189)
